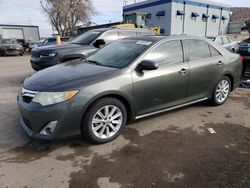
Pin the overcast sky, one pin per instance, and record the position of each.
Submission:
(29, 12)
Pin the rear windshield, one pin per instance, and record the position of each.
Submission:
(120, 53)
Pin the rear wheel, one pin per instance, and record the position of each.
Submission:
(104, 121)
(221, 91)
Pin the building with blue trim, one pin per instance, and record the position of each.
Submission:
(192, 17)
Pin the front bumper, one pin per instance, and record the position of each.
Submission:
(35, 117)
(13, 52)
(42, 63)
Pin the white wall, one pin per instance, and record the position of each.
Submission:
(195, 26)
(29, 33)
(173, 24)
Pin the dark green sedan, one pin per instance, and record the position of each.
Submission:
(126, 80)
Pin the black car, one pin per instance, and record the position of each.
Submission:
(244, 51)
(47, 56)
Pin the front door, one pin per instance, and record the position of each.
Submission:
(165, 87)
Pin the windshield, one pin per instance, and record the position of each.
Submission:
(119, 54)
(87, 38)
(9, 41)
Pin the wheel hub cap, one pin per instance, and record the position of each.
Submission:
(107, 121)
(222, 91)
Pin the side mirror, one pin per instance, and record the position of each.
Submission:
(98, 43)
(147, 65)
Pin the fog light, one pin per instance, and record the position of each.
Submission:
(49, 129)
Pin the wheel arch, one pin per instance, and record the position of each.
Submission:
(117, 95)
(231, 78)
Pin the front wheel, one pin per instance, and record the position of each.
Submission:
(221, 91)
(104, 121)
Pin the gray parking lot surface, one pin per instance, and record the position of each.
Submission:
(174, 149)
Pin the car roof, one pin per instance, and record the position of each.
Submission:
(122, 29)
(157, 38)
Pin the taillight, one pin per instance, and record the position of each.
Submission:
(241, 59)
(58, 62)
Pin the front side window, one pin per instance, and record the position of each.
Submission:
(87, 38)
(197, 49)
(119, 54)
(167, 53)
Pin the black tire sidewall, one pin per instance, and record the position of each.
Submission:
(215, 101)
(88, 117)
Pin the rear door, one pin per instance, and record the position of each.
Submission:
(165, 87)
(206, 68)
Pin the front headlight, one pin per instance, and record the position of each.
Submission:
(52, 54)
(49, 98)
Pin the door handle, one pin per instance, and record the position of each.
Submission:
(183, 71)
(220, 63)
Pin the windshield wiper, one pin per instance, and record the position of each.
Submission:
(94, 62)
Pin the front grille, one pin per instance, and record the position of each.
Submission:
(11, 50)
(35, 54)
(27, 122)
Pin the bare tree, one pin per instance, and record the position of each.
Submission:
(64, 15)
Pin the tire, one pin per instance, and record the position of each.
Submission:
(221, 92)
(2, 53)
(106, 129)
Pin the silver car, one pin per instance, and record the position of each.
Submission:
(10, 47)
(226, 42)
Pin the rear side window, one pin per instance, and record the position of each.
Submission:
(110, 36)
(167, 53)
(197, 49)
(50, 40)
(127, 34)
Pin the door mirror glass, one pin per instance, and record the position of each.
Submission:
(98, 43)
(147, 65)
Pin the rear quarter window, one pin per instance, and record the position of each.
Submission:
(214, 52)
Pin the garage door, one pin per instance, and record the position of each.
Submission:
(9, 33)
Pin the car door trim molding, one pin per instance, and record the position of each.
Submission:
(168, 109)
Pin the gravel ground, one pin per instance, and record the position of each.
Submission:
(173, 149)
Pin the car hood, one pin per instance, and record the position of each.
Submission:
(71, 75)
(61, 47)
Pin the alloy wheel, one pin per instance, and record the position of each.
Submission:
(107, 121)
(222, 91)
